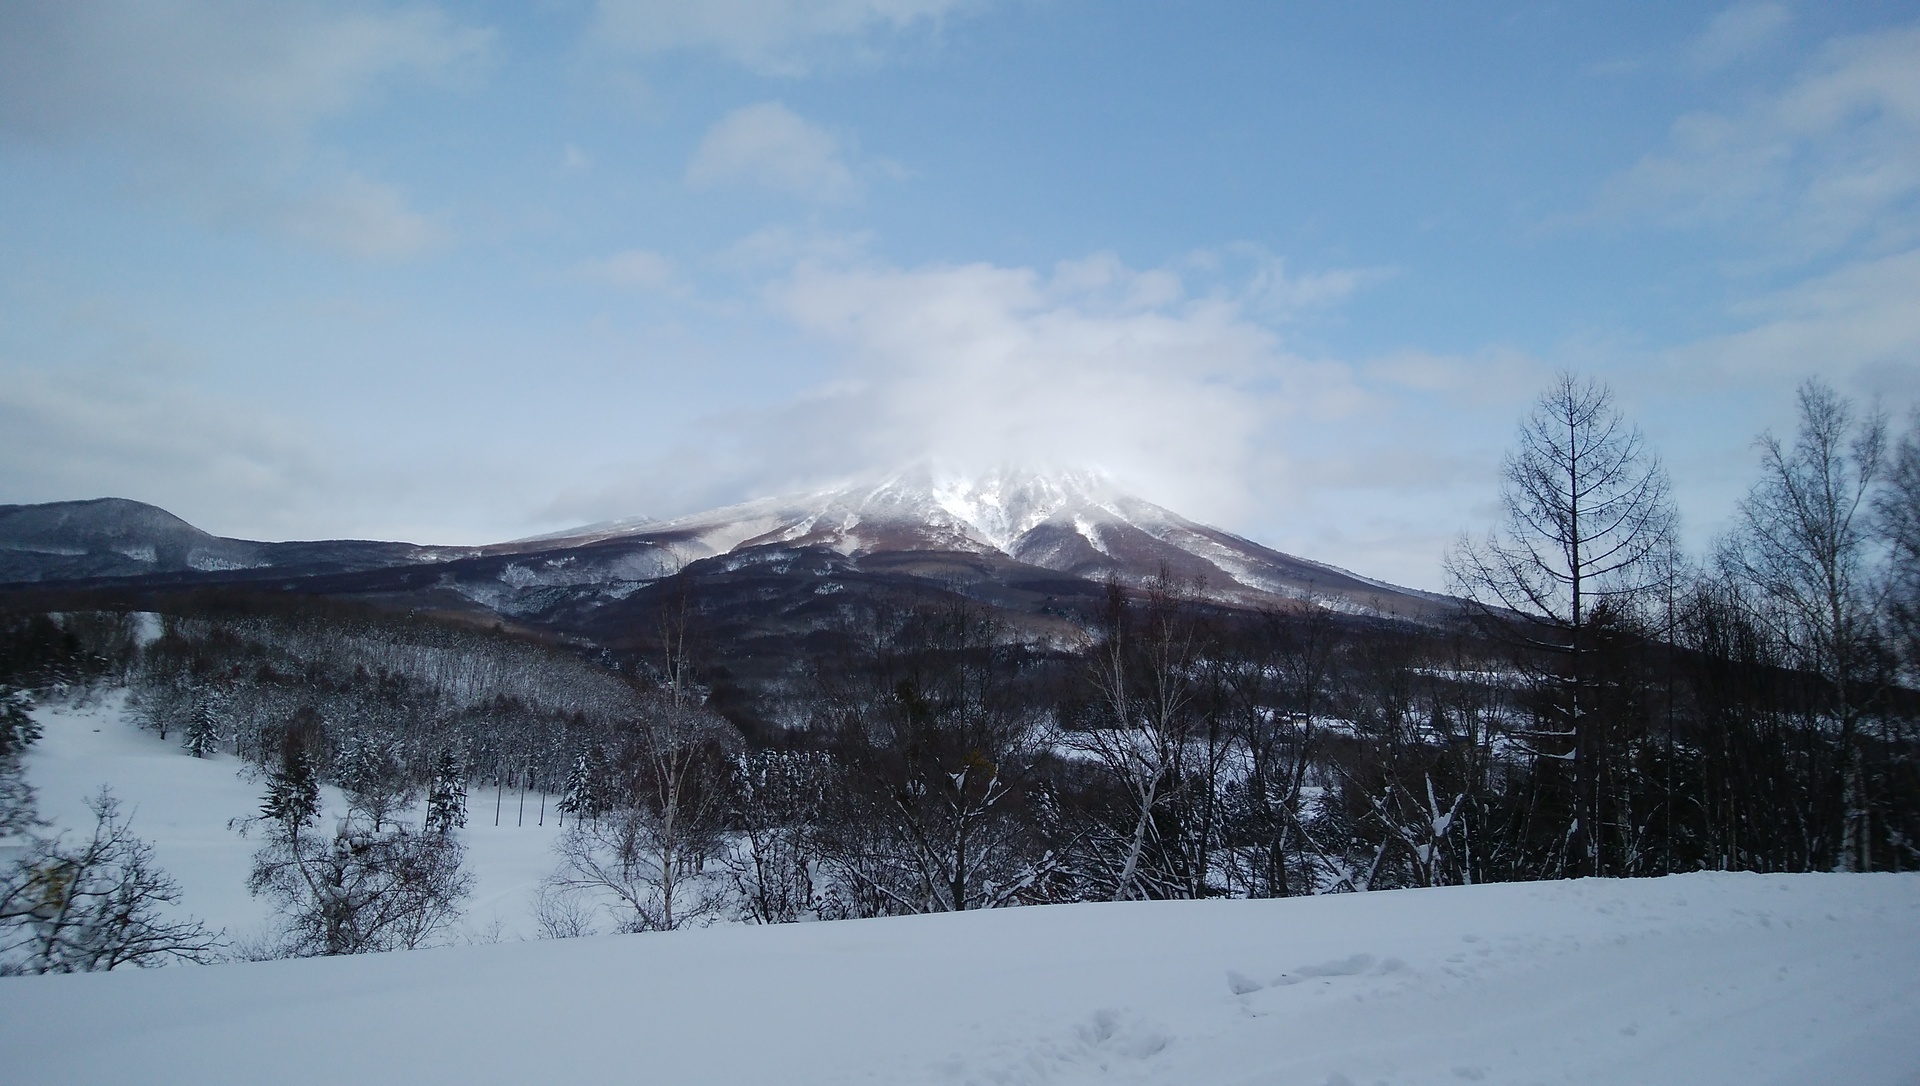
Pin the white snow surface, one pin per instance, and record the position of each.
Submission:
(183, 806)
(1696, 979)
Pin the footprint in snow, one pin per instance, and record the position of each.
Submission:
(1345, 967)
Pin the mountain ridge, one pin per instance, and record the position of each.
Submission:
(1006, 525)
(1075, 522)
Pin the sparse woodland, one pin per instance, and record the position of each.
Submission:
(1605, 705)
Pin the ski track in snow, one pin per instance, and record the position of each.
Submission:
(1696, 979)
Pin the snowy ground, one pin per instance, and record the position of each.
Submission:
(183, 805)
(1697, 979)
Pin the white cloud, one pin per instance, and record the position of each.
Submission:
(216, 100)
(1175, 380)
(635, 269)
(1739, 32)
(1262, 280)
(75, 434)
(1830, 161)
(207, 70)
(357, 215)
(154, 431)
(1094, 364)
(1859, 325)
(769, 146)
(772, 37)
(776, 248)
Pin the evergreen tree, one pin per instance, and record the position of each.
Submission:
(203, 730)
(17, 728)
(447, 796)
(293, 793)
(374, 773)
(581, 800)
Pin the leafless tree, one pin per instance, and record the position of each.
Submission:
(364, 887)
(358, 890)
(1898, 512)
(1804, 541)
(648, 855)
(1586, 520)
(936, 741)
(771, 855)
(97, 906)
(1277, 675)
(1143, 671)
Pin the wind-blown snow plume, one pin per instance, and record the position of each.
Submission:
(1095, 365)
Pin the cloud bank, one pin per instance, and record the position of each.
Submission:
(1831, 160)
(216, 101)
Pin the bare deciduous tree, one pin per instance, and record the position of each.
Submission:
(1586, 520)
(1143, 671)
(648, 854)
(98, 906)
(1803, 542)
(938, 746)
(361, 889)
(1898, 512)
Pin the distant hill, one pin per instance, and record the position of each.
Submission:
(118, 538)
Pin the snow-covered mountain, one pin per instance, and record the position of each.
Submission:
(1024, 539)
(1074, 522)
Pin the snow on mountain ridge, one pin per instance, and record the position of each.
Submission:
(990, 511)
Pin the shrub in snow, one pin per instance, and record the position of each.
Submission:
(369, 886)
(98, 905)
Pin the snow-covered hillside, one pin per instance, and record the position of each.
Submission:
(183, 806)
(1698, 979)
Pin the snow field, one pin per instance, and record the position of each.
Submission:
(1693, 979)
(182, 806)
(1697, 979)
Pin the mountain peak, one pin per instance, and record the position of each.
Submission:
(999, 505)
(1072, 521)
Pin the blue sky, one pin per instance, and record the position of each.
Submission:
(466, 272)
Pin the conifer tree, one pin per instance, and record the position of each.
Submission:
(18, 730)
(293, 793)
(579, 800)
(203, 730)
(447, 795)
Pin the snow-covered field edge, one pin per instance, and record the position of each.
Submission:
(1710, 978)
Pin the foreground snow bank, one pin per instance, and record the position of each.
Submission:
(1690, 979)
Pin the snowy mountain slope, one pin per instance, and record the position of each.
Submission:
(1075, 523)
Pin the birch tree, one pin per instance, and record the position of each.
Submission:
(1804, 541)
